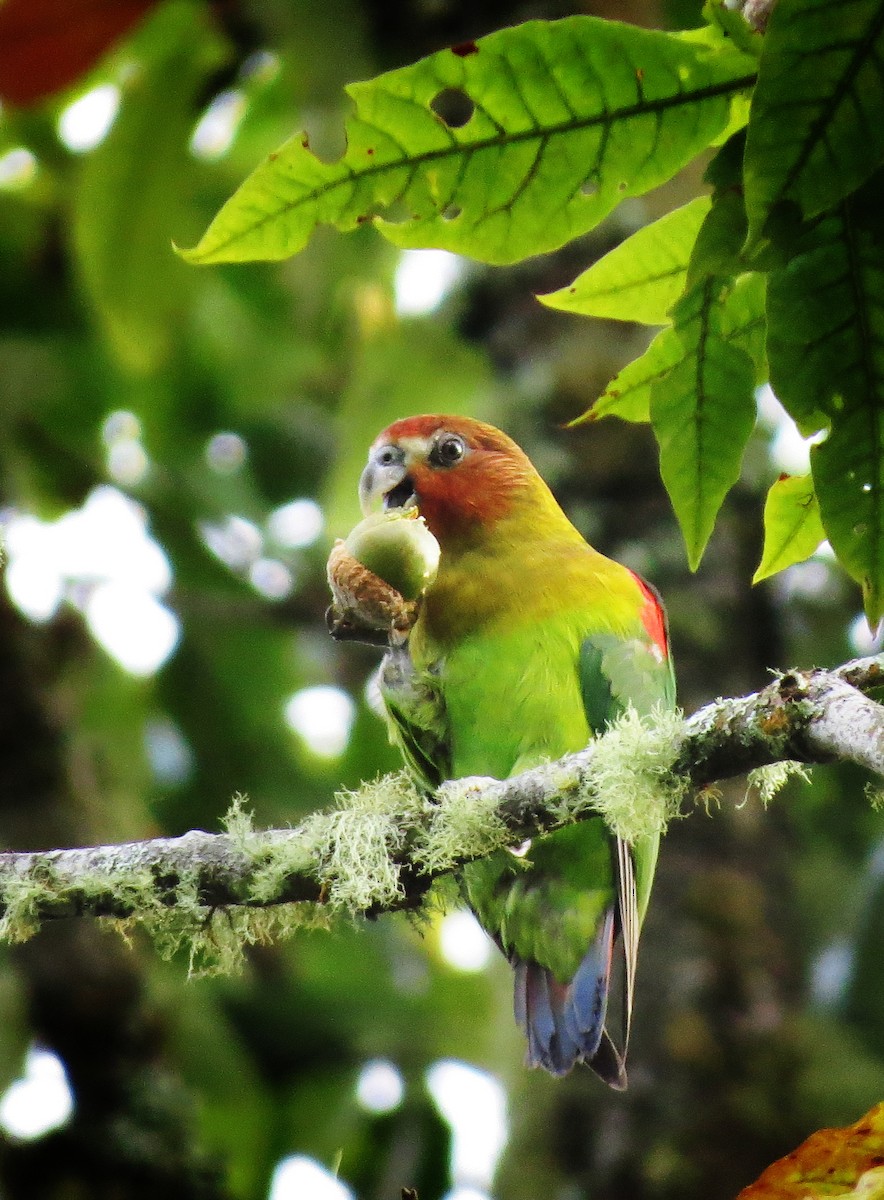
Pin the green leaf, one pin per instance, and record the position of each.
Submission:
(628, 395)
(741, 315)
(825, 317)
(815, 130)
(703, 412)
(640, 279)
(129, 200)
(826, 347)
(718, 248)
(734, 25)
(846, 470)
(720, 238)
(725, 170)
(792, 525)
(743, 321)
(502, 148)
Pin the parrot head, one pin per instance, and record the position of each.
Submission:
(460, 474)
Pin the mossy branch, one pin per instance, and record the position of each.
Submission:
(383, 846)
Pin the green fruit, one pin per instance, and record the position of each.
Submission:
(398, 548)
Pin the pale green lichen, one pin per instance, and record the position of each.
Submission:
(355, 851)
(464, 824)
(875, 796)
(769, 780)
(631, 782)
(709, 799)
(175, 921)
(239, 824)
(351, 849)
(213, 940)
(360, 837)
(23, 897)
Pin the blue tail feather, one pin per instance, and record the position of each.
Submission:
(565, 1023)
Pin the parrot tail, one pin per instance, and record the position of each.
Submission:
(565, 1022)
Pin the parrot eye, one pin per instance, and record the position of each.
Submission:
(449, 450)
(387, 456)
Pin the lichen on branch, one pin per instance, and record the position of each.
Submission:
(382, 847)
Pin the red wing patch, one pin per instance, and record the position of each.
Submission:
(653, 615)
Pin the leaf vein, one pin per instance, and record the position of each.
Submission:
(413, 161)
(864, 47)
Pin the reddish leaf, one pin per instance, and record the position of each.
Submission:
(45, 45)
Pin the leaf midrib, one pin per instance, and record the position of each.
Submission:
(702, 400)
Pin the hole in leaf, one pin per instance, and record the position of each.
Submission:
(453, 107)
(590, 185)
(326, 140)
(398, 212)
(452, 212)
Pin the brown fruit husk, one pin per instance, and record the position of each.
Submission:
(365, 607)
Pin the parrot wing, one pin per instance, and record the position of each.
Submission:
(541, 909)
(416, 718)
(615, 673)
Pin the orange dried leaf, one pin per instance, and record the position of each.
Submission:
(831, 1163)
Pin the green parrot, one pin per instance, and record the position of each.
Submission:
(526, 644)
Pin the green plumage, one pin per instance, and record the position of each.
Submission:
(525, 688)
(528, 643)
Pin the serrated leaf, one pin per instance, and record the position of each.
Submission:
(826, 348)
(640, 279)
(792, 525)
(703, 412)
(741, 315)
(815, 130)
(552, 124)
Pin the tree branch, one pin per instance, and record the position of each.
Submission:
(382, 849)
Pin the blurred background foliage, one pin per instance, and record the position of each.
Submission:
(178, 447)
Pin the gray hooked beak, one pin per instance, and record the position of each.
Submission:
(385, 483)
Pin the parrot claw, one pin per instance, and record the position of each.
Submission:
(343, 629)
